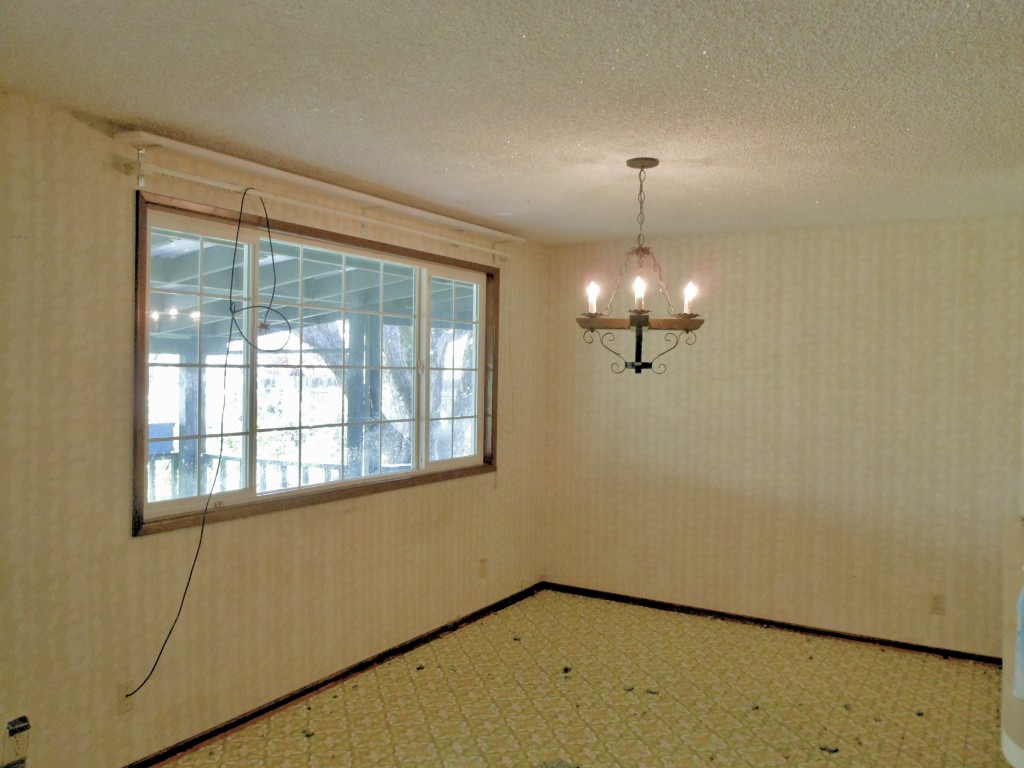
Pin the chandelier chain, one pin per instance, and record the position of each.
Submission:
(656, 268)
(618, 282)
(640, 216)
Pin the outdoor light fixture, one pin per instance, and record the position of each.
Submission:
(677, 324)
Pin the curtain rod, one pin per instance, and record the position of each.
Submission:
(143, 141)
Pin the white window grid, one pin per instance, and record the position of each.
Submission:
(419, 424)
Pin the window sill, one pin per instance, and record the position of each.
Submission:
(142, 527)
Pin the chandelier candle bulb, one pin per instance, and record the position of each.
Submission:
(592, 291)
(688, 295)
(639, 287)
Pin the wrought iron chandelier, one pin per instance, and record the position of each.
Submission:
(678, 325)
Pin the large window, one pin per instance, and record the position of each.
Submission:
(288, 366)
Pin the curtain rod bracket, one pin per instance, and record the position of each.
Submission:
(141, 168)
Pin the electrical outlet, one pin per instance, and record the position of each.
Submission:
(124, 702)
(937, 604)
(483, 567)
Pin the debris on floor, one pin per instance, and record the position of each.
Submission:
(845, 710)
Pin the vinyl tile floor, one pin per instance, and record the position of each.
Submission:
(559, 680)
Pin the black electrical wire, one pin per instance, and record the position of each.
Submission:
(267, 308)
(234, 311)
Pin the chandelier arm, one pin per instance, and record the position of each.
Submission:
(673, 337)
(588, 336)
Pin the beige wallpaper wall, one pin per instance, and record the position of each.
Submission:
(842, 442)
(279, 600)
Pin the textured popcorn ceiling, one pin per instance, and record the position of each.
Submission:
(520, 114)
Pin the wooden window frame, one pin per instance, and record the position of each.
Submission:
(146, 201)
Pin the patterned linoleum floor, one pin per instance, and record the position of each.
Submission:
(559, 680)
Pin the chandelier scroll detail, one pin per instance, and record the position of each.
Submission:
(677, 326)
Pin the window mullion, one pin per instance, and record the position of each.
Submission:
(300, 320)
(422, 415)
(250, 355)
(202, 379)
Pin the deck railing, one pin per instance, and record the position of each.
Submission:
(164, 473)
